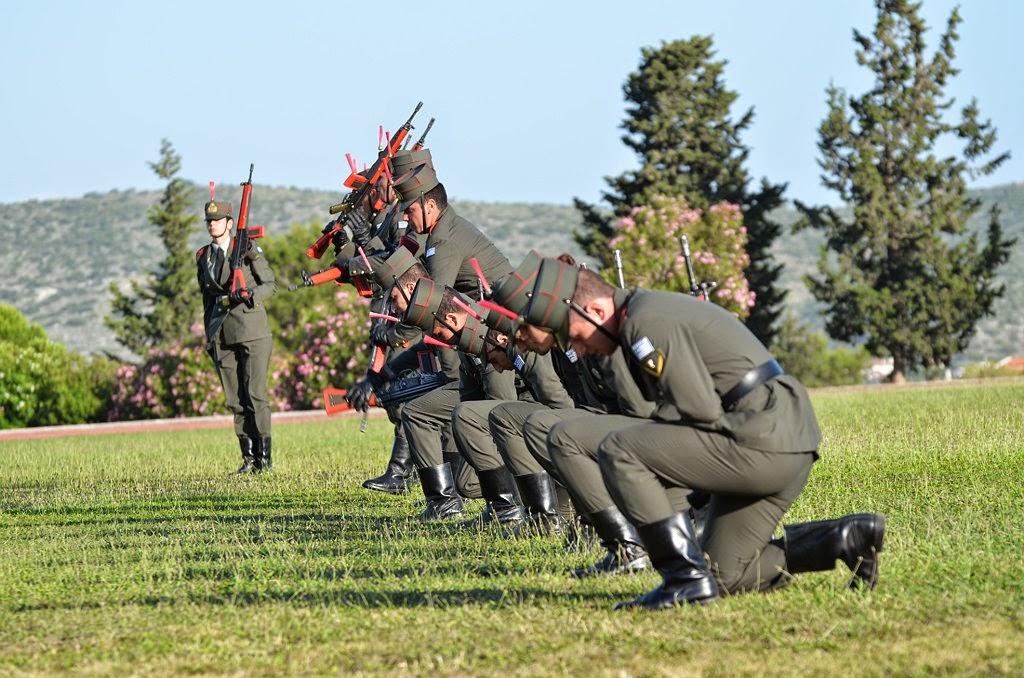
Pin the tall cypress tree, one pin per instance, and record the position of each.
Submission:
(901, 275)
(678, 123)
(161, 307)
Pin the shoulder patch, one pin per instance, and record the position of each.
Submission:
(199, 252)
(642, 347)
(519, 363)
(654, 364)
(651, 360)
(429, 253)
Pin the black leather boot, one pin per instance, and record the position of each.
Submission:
(248, 460)
(399, 473)
(855, 539)
(626, 553)
(499, 491)
(263, 462)
(537, 491)
(439, 489)
(677, 556)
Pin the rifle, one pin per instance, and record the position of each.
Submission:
(362, 283)
(360, 187)
(423, 137)
(243, 234)
(699, 290)
(401, 390)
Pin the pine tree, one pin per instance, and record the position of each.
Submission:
(902, 277)
(678, 123)
(160, 308)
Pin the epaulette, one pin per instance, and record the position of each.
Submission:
(199, 252)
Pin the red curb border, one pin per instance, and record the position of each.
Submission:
(179, 424)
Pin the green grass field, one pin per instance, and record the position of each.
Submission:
(137, 554)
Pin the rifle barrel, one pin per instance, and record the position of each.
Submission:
(617, 254)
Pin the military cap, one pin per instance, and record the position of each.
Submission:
(404, 160)
(513, 292)
(423, 304)
(400, 261)
(214, 210)
(471, 338)
(414, 184)
(549, 308)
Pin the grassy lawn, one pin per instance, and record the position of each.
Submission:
(137, 554)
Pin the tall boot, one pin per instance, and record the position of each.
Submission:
(537, 491)
(262, 461)
(439, 489)
(398, 474)
(467, 483)
(499, 491)
(677, 556)
(855, 539)
(248, 460)
(626, 553)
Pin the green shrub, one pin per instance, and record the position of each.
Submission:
(988, 370)
(806, 356)
(331, 351)
(44, 384)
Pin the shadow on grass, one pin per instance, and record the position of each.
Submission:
(369, 599)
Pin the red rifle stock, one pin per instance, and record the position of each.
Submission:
(361, 186)
(334, 401)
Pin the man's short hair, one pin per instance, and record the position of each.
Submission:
(439, 196)
(415, 272)
(448, 304)
(493, 334)
(591, 286)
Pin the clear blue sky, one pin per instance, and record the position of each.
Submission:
(527, 95)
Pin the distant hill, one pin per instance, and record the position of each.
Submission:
(59, 255)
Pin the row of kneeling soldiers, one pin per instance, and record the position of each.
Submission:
(654, 420)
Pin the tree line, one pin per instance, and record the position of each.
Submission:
(898, 276)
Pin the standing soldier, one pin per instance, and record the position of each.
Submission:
(237, 334)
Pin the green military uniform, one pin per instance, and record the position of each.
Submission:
(451, 244)
(427, 420)
(239, 340)
(754, 455)
(600, 392)
(540, 388)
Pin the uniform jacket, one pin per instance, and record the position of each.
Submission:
(242, 322)
(685, 354)
(449, 247)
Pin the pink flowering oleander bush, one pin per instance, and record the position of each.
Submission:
(652, 254)
(331, 351)
(175, 381)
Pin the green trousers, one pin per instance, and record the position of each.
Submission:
(644, 463)
(243, 371)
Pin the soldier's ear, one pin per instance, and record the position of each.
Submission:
(600, 308)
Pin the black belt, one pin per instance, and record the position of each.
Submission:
(751, 380)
